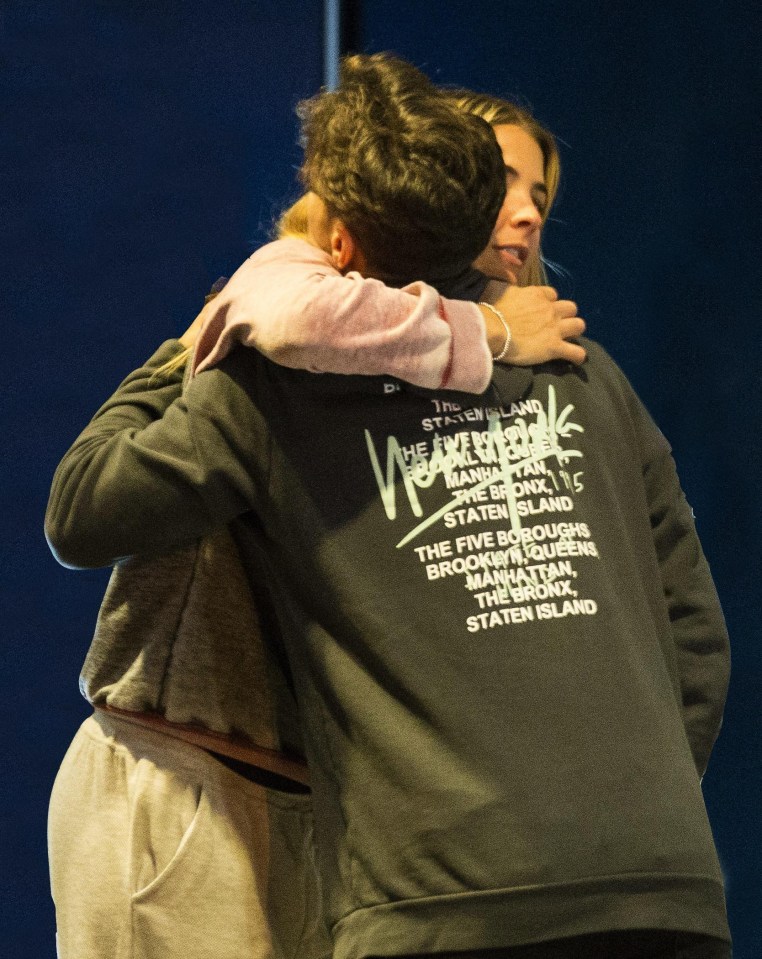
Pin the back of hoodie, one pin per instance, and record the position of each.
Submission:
(508, 652)
(507, 648)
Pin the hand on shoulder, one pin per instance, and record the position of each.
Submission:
(541, 326)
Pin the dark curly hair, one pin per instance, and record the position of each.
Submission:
(418, 182)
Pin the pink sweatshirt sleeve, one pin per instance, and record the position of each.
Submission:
(289, 302)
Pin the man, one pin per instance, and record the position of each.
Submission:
(477, 598)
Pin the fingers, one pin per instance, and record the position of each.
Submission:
(564, 308)
(562, 349)
(575, 326)
(549, 292)
(572, 352)
(568, 328)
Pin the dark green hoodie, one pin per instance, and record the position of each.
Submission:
(507, 647)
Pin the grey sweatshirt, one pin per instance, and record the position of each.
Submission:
(179, 636)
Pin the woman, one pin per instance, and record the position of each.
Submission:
(512, 254)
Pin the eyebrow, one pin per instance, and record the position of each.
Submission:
(539, 186)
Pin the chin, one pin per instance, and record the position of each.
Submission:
(492, 266)
(500, 273)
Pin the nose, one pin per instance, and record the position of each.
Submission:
(525, 214)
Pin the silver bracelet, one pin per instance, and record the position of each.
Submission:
(499, 315)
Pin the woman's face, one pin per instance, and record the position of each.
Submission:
(516, 236)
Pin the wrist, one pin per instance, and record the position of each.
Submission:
(498, 331)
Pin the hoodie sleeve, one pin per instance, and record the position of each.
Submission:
(158, 466)
(290, 303)
(698, 625)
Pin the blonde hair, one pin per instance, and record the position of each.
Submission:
(497, 111)
(293, 221)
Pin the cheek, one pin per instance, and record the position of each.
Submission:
(503, 216)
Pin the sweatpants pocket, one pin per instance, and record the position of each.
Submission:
(167, 817)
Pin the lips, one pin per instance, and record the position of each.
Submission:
(513, 255)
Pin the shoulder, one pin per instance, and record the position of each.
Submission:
(235, 384)
(599, 357)
(612, 379)
(604, 371)
(288, 252)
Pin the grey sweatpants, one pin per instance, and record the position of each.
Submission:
(158, 851)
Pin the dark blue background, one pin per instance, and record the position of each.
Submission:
(146, 148)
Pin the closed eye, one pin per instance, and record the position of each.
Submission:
(539, 190)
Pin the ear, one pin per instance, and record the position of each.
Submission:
(345, 251)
